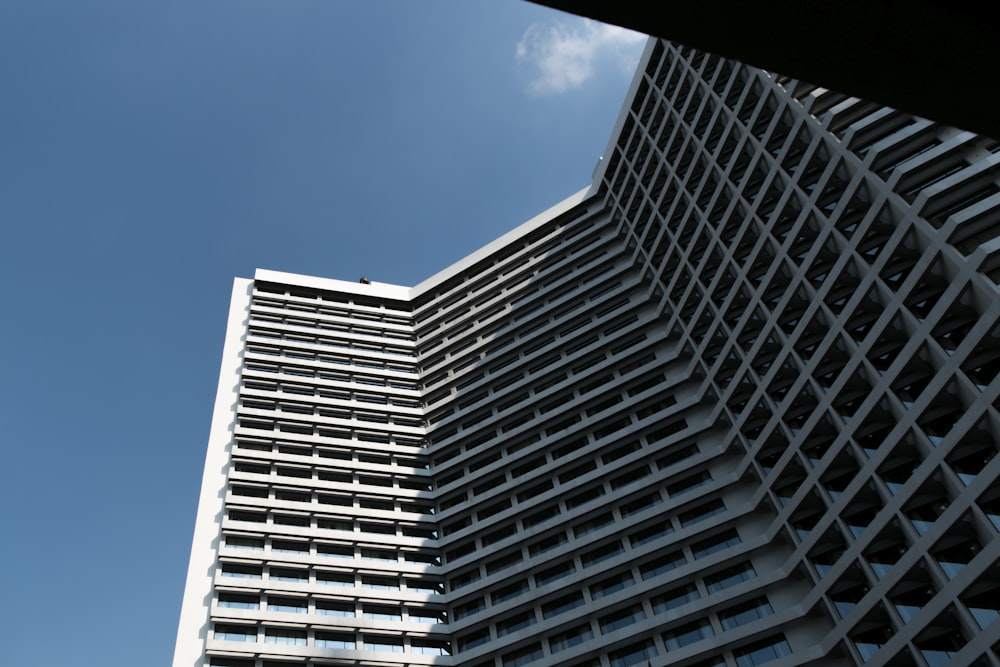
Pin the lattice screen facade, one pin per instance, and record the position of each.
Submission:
(736, 404)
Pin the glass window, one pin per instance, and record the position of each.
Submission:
(715, 544)
(602, 554)
(430, 647)
(289, 605)
(673, 599)
(285, 636)
(612, 585)
(236, 633)
(330, 608)
(335, 640)
(515, 623)
(745, 613)
(570, 638)
(729, 577)
(385, 644)
(277, 574)
(621, 619)
(383, 613)
(252, 543)
(474, 639)
(241, 571)
(524, 656)
(234, 601)
(636, 654)
(562, 605)
(662, 564)
(688, 634)
(765, 651)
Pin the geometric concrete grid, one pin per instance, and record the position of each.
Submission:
(734, 404)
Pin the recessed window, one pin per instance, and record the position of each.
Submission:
(662, 564)
(612, 585)
(335, 640)
(570, 638)
(729, 577)
(285, 636)
(241, 571)
(621, 619)
(287, 605)
(236, 601)
(688, 634)
(715, 544)
(384, 644)
(236, 633)
(237, 542)
(374, 613)
(562, 605)
(332, 608)
(636, 654)
(523, 656)
(602, 554)
(762, 652)
(745, 613)
(673, 599)
(515, 623)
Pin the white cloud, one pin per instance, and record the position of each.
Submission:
(565, 56)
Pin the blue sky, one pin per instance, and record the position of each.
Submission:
(150, 151)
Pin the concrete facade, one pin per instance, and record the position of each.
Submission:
(734, 404)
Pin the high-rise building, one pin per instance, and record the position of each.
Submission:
(734, 404)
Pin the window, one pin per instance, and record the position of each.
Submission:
(426, 616)
(235, 601)
(335, 640)
(385, 644)
(714, 544)
(525, 655)
(662, 564)
(562, 605)
(547, 544)
(621, 619)
(282, 574)
(636, 654)
(288, 605)
(473, 639)
(570, 638)
(650, 533)
(745, 613)
(383, 613)
(765, 651)
(729, 577)
(612, 585)
(553, 573)
(379, 555)
(288, 546)
(330, 608)
(602, 554)
(515, 623)
(595, 523)
(285, 636)
(380, 583)
(469, 608)
(430, 647)
(509, 591)
(241, 571)
(252, 543)
(334, 578)
(236, 633)
(688, 634)
(701, 513)
(503, 563)
(673, 599)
